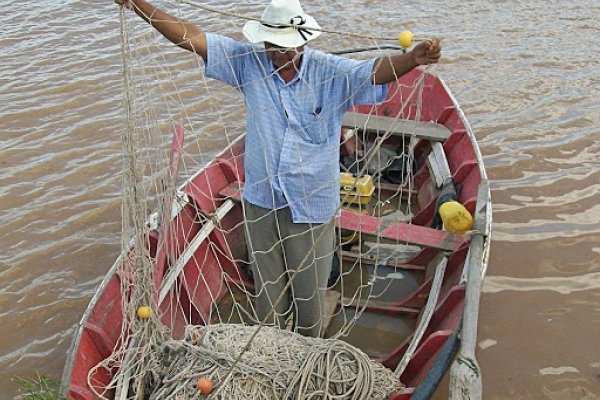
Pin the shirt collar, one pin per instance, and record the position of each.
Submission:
(305, 58)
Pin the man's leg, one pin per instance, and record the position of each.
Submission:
(263, 240)
(312, 246)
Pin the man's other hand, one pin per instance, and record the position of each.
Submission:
(427, 52)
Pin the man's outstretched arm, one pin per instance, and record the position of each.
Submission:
(184, 34)
(389, 68)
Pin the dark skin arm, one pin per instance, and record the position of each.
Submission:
(189, 37)
(388, 69)
(184, 34)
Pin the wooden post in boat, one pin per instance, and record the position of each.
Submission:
(165, 216)
(465, 375)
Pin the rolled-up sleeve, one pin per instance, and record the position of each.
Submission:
(225, 61)
(359, 82)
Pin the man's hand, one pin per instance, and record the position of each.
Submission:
(427, 52)
(125, 4)
(183, 34)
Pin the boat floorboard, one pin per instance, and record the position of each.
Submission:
(374, 333)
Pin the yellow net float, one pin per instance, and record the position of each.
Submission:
(456, 217)
(405, 39)
(144, 312)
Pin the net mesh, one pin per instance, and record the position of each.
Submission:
(188, 294)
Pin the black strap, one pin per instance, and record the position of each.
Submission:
(295, 22)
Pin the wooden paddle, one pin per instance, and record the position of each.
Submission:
(465, 375)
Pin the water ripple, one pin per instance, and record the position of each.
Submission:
(562, 285)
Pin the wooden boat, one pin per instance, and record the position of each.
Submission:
(421, 315)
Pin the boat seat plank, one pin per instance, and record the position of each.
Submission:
(400, 232)
(375, 123)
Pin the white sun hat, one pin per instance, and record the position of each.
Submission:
(284, 24)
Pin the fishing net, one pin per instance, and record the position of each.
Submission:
(278, 365)
(187, 291)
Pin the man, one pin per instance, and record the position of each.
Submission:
(295, 99)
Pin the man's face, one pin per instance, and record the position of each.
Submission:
(283, 57)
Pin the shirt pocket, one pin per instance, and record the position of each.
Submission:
(312, 126)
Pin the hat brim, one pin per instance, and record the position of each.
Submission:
(256, 32)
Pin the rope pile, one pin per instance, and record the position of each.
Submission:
(279, 365)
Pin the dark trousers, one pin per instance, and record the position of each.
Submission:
(277, 246)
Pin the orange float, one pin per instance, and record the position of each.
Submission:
(204, 385)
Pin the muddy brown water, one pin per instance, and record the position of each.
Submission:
(527, 74)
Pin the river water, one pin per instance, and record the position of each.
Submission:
(527, 74)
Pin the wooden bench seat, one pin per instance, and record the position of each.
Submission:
(400, 232)
(375, 123)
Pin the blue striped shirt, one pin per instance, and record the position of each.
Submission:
(293, 128)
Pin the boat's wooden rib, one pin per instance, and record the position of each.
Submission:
(359, 257)
(379, 124)
(189, 251)
(425, 317)
(377, 306)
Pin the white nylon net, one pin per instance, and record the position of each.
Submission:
(188, 291)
